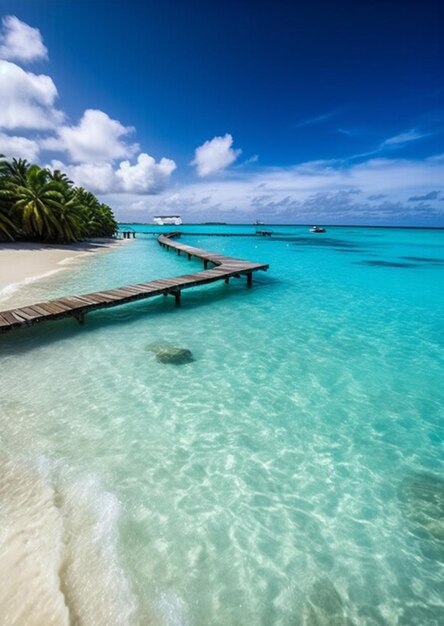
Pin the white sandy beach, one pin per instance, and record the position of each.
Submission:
(36, 537)
(23, 262)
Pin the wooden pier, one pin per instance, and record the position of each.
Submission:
(223, 268)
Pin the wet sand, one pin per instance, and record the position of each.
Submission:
(23, 262)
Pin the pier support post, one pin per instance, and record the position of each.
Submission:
(177, 295)
(250, 279)
(189, 257)
(227, 280)
(205, 262)
(178, 252)
(80, 317)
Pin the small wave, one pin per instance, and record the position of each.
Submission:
(9, 290)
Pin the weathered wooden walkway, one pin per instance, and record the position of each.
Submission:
(223, 268)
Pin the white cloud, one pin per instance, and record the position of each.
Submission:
(215, 155)
(95, 177)
(318, 119)
(96, 139)
(325, 191)
(26, 99)
(19, 147)
(145, 176)
(405, 137)
(20, 42)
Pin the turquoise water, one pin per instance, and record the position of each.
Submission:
(291, 474)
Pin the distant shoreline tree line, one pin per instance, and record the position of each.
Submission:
(38, 204)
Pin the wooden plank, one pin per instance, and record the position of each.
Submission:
(41, 312)
(119, 294)
(59, 305)
(83, 299)
(19, 318)
(51, 308)
(23, 314)
(3, 321)
(134, 290)
(73, 303)
(95, 298)
(32, 313)
(112, 294)
(9, 317)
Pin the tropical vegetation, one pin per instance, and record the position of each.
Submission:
(38, 204)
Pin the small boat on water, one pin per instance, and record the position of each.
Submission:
(317, 229)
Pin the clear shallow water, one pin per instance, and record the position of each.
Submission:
(291, 474)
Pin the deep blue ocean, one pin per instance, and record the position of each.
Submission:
(291, 474)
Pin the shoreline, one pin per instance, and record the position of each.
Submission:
(23, 263)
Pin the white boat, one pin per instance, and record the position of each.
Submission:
(317, 229)
(164, 220)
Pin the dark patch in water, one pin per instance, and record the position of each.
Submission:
(424, 259)
(324, 242)
(387, 264)
(324, 606)
(287, 238)
(167, 353)
(348, 250)
(422, 502)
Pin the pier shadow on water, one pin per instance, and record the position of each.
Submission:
(32, 337)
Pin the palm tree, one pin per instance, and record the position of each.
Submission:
(8, 229)
(36, 203)
(59, 177)
(70, 223)
(98, 218)
(16, 170)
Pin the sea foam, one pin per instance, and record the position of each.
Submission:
(58, 542)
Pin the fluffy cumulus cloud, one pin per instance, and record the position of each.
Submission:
(20, 42)
(27, 100)
(96, 139)
(215, 155)
(19, 147)
(95, 144)
(96, 177)
(145, 176)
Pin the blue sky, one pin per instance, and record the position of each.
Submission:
(284, 111)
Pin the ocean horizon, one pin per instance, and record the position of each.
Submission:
(290, 473)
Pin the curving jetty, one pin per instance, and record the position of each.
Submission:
(223, 268)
